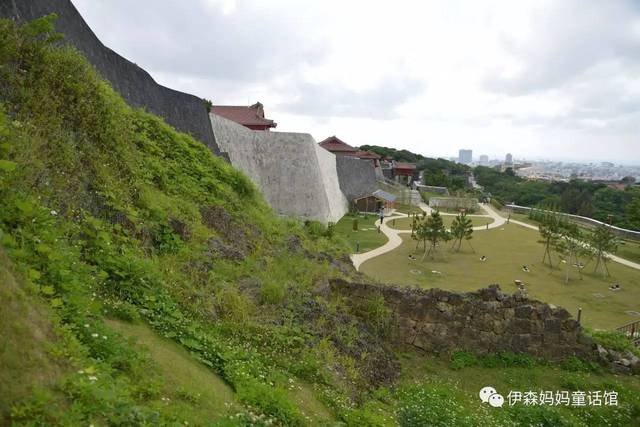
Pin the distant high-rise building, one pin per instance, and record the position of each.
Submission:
(465, 156)
(508, 159)
(484, 160)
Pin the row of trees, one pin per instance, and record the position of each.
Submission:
(429, 230)
(579, 197)
(574, 247)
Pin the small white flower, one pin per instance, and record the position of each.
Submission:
(81, 372)
(94, 335)
(86, 325)
(104, 337)
(53, 212)
(93, 378)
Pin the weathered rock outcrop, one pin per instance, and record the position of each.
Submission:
(485, 321)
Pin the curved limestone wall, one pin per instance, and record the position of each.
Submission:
(183, 111)
(296, 176)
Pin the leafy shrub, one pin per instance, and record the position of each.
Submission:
(507, 359)
(271, 401)
(575, 364)
(463, 359)
(273, 292)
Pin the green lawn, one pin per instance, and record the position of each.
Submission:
(629, 250)
(367, 234)
(507, 249)
(405, 223)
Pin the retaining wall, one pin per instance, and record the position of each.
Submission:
(296, 176)
(453, 202)
(485, 321)
(183, 111)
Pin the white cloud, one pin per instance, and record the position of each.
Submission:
(535, 78)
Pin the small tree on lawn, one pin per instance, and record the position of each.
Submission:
(603, 241)
(570, 247)
(431, 229)
(462, 228)
(549, 231)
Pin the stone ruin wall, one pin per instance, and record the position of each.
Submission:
(482, 322)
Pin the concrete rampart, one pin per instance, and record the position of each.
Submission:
(185, 112)
(297, 177)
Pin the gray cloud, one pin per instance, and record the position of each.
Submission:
(568, 40)
(192, 38)
(330, 100)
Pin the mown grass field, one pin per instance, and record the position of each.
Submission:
(405, 223)
(507, 249)
(367, 235)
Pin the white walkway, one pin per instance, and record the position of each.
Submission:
(498, 221)
(394, 235)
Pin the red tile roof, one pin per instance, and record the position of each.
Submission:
(246, 116)
(401, 165)
(367, 155)
(334, 144)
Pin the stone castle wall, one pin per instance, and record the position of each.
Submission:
(296, 176)
(183, 111)
(485, 321)
(357, 177)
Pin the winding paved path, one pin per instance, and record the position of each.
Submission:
(498, 220)
(394, 235)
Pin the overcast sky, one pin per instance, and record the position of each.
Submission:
(539, 79)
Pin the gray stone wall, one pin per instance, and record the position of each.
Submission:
(296, 176)
(357, 177)
(453, 202)
(485, 321)
(183, 111)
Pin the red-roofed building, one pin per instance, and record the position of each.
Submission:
(341, 148)
(405, 172)
(251, 117)
(338, 147)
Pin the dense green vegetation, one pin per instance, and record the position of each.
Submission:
(107, 212)
(585, 198)
(144, 281)
(438, 172)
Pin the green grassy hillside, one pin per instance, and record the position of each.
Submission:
(108, 213)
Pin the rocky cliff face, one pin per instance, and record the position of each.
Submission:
(486, 321)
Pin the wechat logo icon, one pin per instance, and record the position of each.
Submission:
(490, 395)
